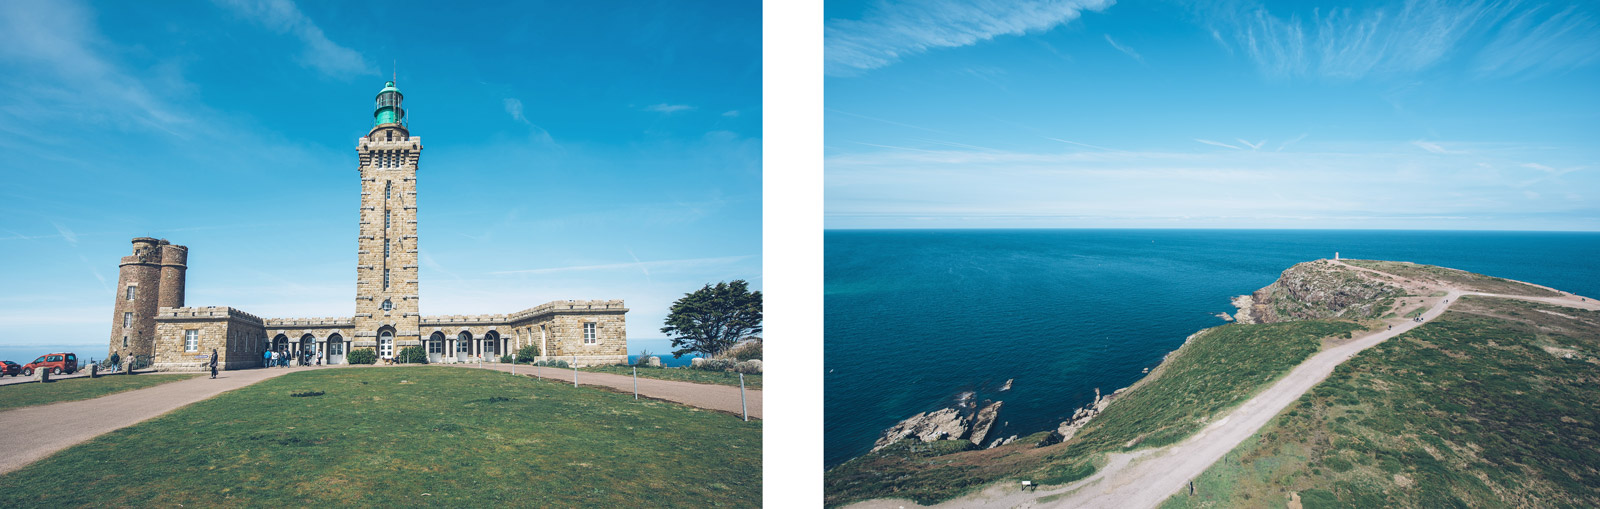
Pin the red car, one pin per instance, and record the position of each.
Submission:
(57, 363)
(10, 368)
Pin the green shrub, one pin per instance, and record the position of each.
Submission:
(363, 356)
(412, 355)
(528, 354)
(644, 359)
(553, 364)
(716, 365)
(505, 358)
(746, 351)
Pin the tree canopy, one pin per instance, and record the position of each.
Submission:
(713, 318)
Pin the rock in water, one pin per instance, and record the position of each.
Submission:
(1007, 386)
(984, 422)
(926, 427)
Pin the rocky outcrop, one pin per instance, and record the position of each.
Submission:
(1314, 290)
(984, 422)
(1007, 386)
(1081, 418)
(927, 427)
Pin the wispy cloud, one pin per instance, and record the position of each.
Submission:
(320, 53)
(52, 51)
(668, 108)
(892, 30)
(1368, 185)
(1124, 49)
(72, 238)
(1346, 43)
(1070, 142)
(634, 265)
(730, 113)
(1253, 146)
(1433, 147)
(1217, 143)
(1565, 39)
(514, 108)
(1295, 140)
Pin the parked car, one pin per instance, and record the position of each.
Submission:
(10, 368)
(57, 363)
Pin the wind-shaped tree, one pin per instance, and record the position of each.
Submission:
(713, 318)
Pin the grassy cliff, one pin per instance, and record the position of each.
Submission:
(1215, 371)
(1492, 404)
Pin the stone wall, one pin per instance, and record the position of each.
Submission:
(155, 271)
(237, 337)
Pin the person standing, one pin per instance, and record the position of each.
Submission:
(266, 359)
(213, 364)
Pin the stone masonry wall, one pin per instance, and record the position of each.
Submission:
(237, 336)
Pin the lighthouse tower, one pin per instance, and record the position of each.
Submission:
(386, 250)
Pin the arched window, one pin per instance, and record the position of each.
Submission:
(387, 305)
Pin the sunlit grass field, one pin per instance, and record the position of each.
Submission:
(412, 436)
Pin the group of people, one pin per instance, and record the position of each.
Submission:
(281, 359)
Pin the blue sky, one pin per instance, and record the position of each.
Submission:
(572, 151)
(1092, 113)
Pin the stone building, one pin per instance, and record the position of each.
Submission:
(150, 318)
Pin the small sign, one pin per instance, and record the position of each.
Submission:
(202, 357)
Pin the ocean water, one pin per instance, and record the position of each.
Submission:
(915, 317)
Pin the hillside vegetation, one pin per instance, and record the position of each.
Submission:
(1215, 371)
(1453, 277)
(1492, 404)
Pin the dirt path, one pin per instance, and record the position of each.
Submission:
(1148, 477)
(714, 397)
(31, 433)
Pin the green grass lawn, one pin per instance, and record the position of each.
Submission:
(410, 437)
(683, 375)
(74, 389)
(1481, 407)
(1216, 371)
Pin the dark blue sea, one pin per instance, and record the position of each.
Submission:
(914, 317)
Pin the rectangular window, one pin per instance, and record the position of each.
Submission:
(386, 279)
(387, 187)
(386, 219)
(124, 341)
(127, 319)
(131, 289)
(589, 337)
(385, 248)
(191, 340)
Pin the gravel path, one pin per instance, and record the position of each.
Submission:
(709, 396)
(1146, 478)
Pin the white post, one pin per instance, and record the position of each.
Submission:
(636, 383)
(513, 363)
(742, 408)
(574, 371)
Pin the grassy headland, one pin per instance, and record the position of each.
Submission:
(1453, 277)
(74, 389)
(413, 436)
(1217, 370)
(1490, 405)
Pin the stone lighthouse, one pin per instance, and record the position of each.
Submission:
(386, 251)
